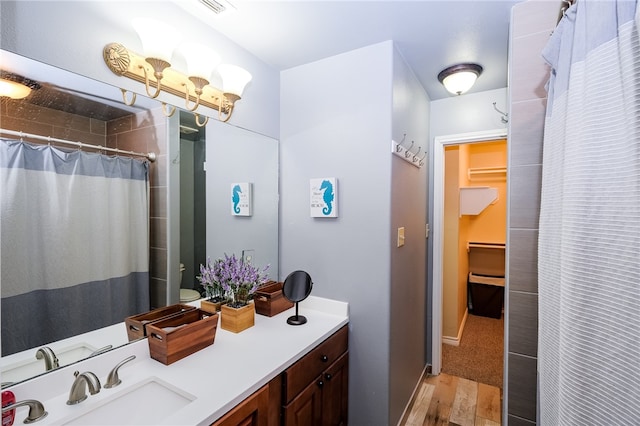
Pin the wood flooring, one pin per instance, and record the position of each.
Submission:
(454, 401)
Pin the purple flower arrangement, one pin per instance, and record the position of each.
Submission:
(233, 277)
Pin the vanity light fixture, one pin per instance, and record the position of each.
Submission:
(159, 42)
(459, 78)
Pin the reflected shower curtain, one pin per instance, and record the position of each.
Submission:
(589, 241)
(74, 253)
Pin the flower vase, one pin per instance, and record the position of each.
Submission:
(237, 319)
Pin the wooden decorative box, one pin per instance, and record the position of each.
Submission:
(178, 336)
(270, 301)
(136, 324)
(237, 319)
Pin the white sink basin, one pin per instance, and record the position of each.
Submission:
(27, 368)
(145, 403)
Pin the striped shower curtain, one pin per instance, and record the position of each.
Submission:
(74, 252)
(589, 241)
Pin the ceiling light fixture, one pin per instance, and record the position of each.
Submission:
(459, 78)
(16, 87)
(159, 42)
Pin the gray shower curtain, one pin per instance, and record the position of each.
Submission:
(589, 241)
(74, 242)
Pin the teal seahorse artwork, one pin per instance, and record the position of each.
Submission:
(327, 197)
(235, 198)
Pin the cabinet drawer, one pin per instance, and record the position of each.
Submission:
(300, 374)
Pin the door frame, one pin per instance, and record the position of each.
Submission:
(440, 143)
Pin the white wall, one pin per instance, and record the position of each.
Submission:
(468, 113)
(408, 263)
(336, 122)
(72, 34)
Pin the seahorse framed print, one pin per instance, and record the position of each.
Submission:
(324, 197)
(241, 203)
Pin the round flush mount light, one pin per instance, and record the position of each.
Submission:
(15, 86)
(458, 79)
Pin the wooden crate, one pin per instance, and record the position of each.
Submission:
(237, 319)
(270, 301)
(136, 324)
(178, 336)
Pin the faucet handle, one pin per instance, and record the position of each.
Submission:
(36, 410)
(113, 380)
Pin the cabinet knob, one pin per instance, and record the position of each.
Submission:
(320, 383)
(328, 376)
(324, 358)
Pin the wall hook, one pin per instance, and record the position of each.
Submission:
(422, 159)
(399, 146)
(505, 116)
(415, 156)
(408, 151)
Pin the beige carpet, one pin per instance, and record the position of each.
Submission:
(479, 356)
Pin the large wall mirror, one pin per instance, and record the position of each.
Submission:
(189, 211)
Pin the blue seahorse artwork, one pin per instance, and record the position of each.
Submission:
(327, 197)
(235, 198)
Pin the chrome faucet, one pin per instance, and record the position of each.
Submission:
(101, 350)
(36, 410)
(50, 358)
(112, 379)
(79, 387)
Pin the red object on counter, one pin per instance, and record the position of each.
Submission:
(8, 398)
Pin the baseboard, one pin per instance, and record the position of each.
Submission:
(425, 372)
(455, 341)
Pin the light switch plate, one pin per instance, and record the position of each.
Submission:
(401, 236)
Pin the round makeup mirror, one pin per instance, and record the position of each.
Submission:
(297, 287)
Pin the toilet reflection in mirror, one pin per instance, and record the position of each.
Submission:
(297, 287)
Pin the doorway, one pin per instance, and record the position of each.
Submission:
(192, 202)
(475, 224)
(440, 145)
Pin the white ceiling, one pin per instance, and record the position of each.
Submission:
(430, 34)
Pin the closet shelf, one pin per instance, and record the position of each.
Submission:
(474, 199)
(487, 172)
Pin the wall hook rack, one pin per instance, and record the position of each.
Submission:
(409, 154)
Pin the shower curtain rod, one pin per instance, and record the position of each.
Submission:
(150, 156)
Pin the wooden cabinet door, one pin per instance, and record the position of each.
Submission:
(253, 411)
(306, 408)
(335, 392)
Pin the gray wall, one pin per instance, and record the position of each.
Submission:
(336, 121)
(531, 25)
(238, 155)
(408, 263)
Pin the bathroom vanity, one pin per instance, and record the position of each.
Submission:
(263, 375)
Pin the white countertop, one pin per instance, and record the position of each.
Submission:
(219, 376)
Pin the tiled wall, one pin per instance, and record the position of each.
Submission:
(532, 23)
(28, 118)
(146, 132)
